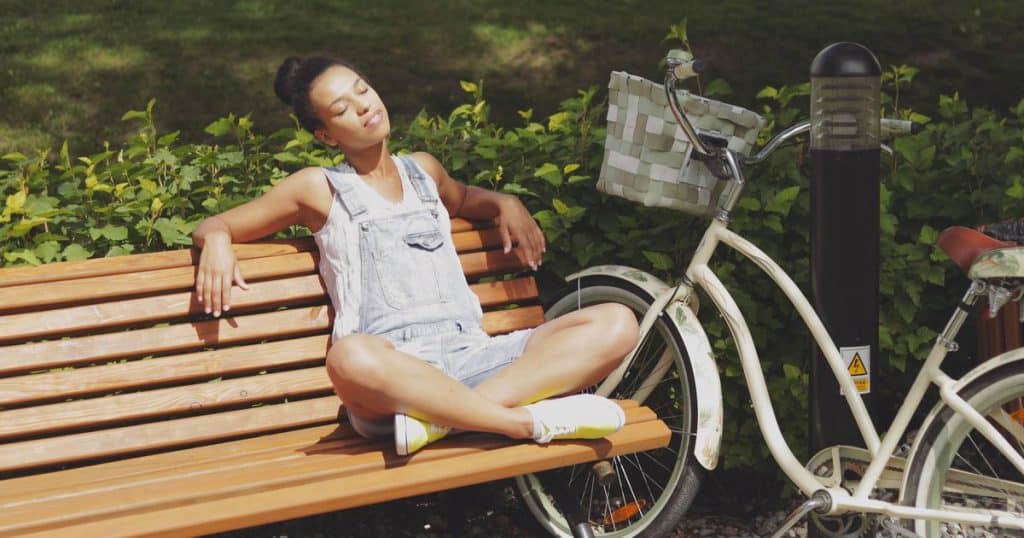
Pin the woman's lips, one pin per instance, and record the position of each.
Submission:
(375, 118)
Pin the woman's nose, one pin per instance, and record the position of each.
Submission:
(362, 106)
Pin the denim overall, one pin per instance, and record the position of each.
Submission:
(414, 292)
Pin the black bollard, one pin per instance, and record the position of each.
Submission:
(844, 147)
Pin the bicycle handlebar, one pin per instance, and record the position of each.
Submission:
(681, 65)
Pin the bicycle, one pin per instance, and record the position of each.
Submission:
(972, 437)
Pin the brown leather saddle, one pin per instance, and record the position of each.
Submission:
(978, 254)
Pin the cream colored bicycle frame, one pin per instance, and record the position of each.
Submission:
(700, 274)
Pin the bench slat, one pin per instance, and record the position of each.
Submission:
(95, 289)
(150, 261)
(473, 465)
(103, 347)
(506, 321)
(179, 305)
(168, 434)
(467, 236)
(153, 309)
(189, 336)
(163, 403)
(516, 290)
(164, 370)
(154, 467)
(201, 481)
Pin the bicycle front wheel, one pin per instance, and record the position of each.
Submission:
(954, 467)
(648, 492)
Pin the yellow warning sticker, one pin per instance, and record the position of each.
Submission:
(858, 365)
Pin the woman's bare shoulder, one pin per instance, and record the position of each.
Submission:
(430, 165)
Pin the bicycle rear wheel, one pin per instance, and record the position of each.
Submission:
(955, 467)
(649, 492)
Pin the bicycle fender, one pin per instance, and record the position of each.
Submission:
(999, 361)
(707, 384)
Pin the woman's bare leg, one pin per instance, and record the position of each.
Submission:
(375, 380)
(563, 355)
(566, 354)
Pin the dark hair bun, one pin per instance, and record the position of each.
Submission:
(283, 84)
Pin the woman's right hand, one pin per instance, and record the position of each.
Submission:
(218, 269)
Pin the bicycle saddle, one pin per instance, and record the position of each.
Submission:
(982, 256)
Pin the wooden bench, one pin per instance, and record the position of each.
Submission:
(124, 409)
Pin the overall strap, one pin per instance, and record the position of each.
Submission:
(346, 193)
(419, 181)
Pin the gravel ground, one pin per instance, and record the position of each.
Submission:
(492, 510)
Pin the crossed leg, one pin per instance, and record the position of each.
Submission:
(562, 355)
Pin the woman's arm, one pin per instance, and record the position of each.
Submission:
(514, 220)
(286, 204)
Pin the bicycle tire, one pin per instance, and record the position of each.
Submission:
(666, 507)
(949, 443)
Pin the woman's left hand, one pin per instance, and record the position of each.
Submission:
(518, 228)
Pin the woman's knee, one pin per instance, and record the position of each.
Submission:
(618, 324)
(353, 360)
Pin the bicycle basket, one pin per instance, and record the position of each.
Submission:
(647, 155)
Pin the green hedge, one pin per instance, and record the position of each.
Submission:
(963, 169)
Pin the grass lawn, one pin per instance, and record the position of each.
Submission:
(70, 68)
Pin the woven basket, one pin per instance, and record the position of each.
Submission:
(647, 157)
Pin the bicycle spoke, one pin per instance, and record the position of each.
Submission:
(646, 475)
(622, 472)
(608, 508)
(573, 473)
(643, 475)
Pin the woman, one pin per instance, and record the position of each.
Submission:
(408, 355)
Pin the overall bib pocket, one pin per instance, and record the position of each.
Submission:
(405, 251)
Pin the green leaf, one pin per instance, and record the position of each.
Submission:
(26, 225)
(15, 157)
(558, 121)
(168, 138)
(170, 233)
(550, 173)
(717, 87)
(133, 115)
(47, 251)
(783, 200)
(24, 255)
(74, 251)
(767, 92)
(468, 87)
(791, 371)
(285, 157)
(220, 127)
(928, 235)
(559, 206)
(658, 260)
(111, 232)
(486, 152)
(16, 201)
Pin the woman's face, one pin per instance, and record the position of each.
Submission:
(351, 112)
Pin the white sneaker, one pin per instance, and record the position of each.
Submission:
(412, 434)
(580, 416)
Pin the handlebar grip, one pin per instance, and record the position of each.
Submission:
(685, 70)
